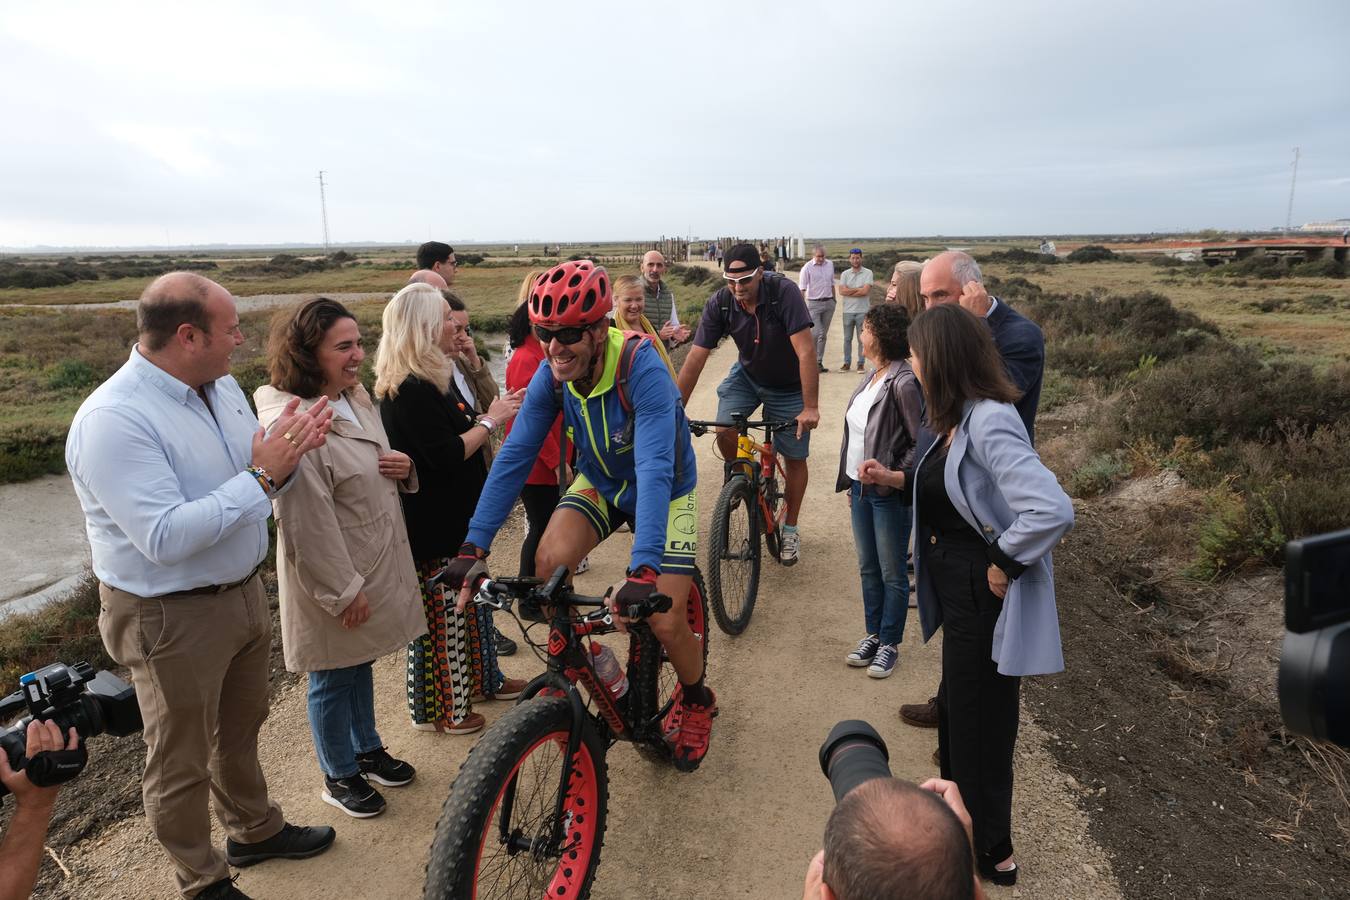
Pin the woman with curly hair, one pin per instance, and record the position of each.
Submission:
(876, 467)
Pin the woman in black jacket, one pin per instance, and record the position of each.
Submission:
(426, 418)
(875, 466)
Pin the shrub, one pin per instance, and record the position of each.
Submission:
(692, 274)
(469, 259)
(1098, 475)
(29, 451)
(1166, 262)
(1018, 255)
(1105, 337)
(1319, 268)
(1090, 253)
(1015, 287)
(1228, 394)
(1237, 530)
(66, 630)
(73, 375)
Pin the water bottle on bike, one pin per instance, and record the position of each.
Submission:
(612, 675)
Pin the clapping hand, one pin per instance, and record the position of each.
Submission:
(293, 435)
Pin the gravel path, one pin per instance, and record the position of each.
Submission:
(745, 824)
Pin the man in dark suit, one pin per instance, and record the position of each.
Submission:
(954, 277)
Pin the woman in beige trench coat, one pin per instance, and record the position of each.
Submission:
(349, 592)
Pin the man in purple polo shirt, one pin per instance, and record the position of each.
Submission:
(765, 315)
(817, 285)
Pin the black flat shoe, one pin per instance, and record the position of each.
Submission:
(505, 646)
(999, 877)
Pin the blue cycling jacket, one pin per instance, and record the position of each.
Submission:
(640, 478)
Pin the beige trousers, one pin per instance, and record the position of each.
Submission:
(200, 667)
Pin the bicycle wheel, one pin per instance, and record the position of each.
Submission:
(773, 496)
(468, 857)
(733, 555)
(697, 610)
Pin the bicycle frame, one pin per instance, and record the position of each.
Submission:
(757, 461)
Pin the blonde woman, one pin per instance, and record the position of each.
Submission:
(904, 287)
(426, 418)
(629, 309)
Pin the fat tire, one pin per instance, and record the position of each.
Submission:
(452, 866)
(738, 488)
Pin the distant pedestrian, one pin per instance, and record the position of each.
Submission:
(175, 478)
(717, 254)
(855, 286)
(766, 261)
(817, 286)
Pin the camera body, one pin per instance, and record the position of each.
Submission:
(76, 696)
(1315, 660)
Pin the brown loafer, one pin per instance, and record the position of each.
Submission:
(920, 715)
(470, 724)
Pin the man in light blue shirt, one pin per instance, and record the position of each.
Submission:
(175, 478)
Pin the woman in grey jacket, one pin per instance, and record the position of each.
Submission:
(880, 425)
(986, 513)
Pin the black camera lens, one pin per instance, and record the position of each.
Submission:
(853, 753)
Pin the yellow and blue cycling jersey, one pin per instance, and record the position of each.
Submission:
(638, 471)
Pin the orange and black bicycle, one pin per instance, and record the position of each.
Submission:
(749, 509)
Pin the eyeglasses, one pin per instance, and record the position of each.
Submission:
(741, 279)
(569, 335)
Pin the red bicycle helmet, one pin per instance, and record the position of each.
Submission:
(571, 293)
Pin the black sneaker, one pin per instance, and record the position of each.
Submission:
(353, 795)
(291, 842)
(505, 646)
(223, 889)
(379, 766)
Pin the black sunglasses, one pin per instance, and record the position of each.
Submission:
(569, 335)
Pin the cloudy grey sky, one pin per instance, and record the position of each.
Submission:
(195, 123)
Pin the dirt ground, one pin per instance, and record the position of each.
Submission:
(744, 825)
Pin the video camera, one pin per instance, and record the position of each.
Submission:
(1315, 661)
(71, 696)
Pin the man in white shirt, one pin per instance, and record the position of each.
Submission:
(855, 285)
(175, 478)
(817, 285)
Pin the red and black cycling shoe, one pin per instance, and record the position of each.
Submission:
(695, 732)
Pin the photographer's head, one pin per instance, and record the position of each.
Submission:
(888, 838)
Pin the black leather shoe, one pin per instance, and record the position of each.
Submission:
(291, 842)
(223, 889)
(1000, 877)
(505, 646)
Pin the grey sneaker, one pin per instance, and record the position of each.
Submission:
(790, 547)
(867, 649)
(883, 664)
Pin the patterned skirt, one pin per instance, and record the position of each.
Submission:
(455, 660)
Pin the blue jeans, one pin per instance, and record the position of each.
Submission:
(738, 393)
(853, 322)
(342, 718)
(881, 532)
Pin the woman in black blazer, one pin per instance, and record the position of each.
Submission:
(426, 418)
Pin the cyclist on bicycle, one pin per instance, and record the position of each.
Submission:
(767, 318)
(635, 464)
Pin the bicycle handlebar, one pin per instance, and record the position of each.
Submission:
(503, 592)
(700, 427)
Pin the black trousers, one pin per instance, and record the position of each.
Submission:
(540, 500)
(977, 707)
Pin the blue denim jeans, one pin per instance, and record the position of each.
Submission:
(853, 323)
(881, 532)
(342, 718)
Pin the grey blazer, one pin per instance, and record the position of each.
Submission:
(999, 485)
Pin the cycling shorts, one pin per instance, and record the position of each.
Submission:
(681, 545)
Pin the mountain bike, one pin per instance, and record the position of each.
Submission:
(526, 815)
(750, 507)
